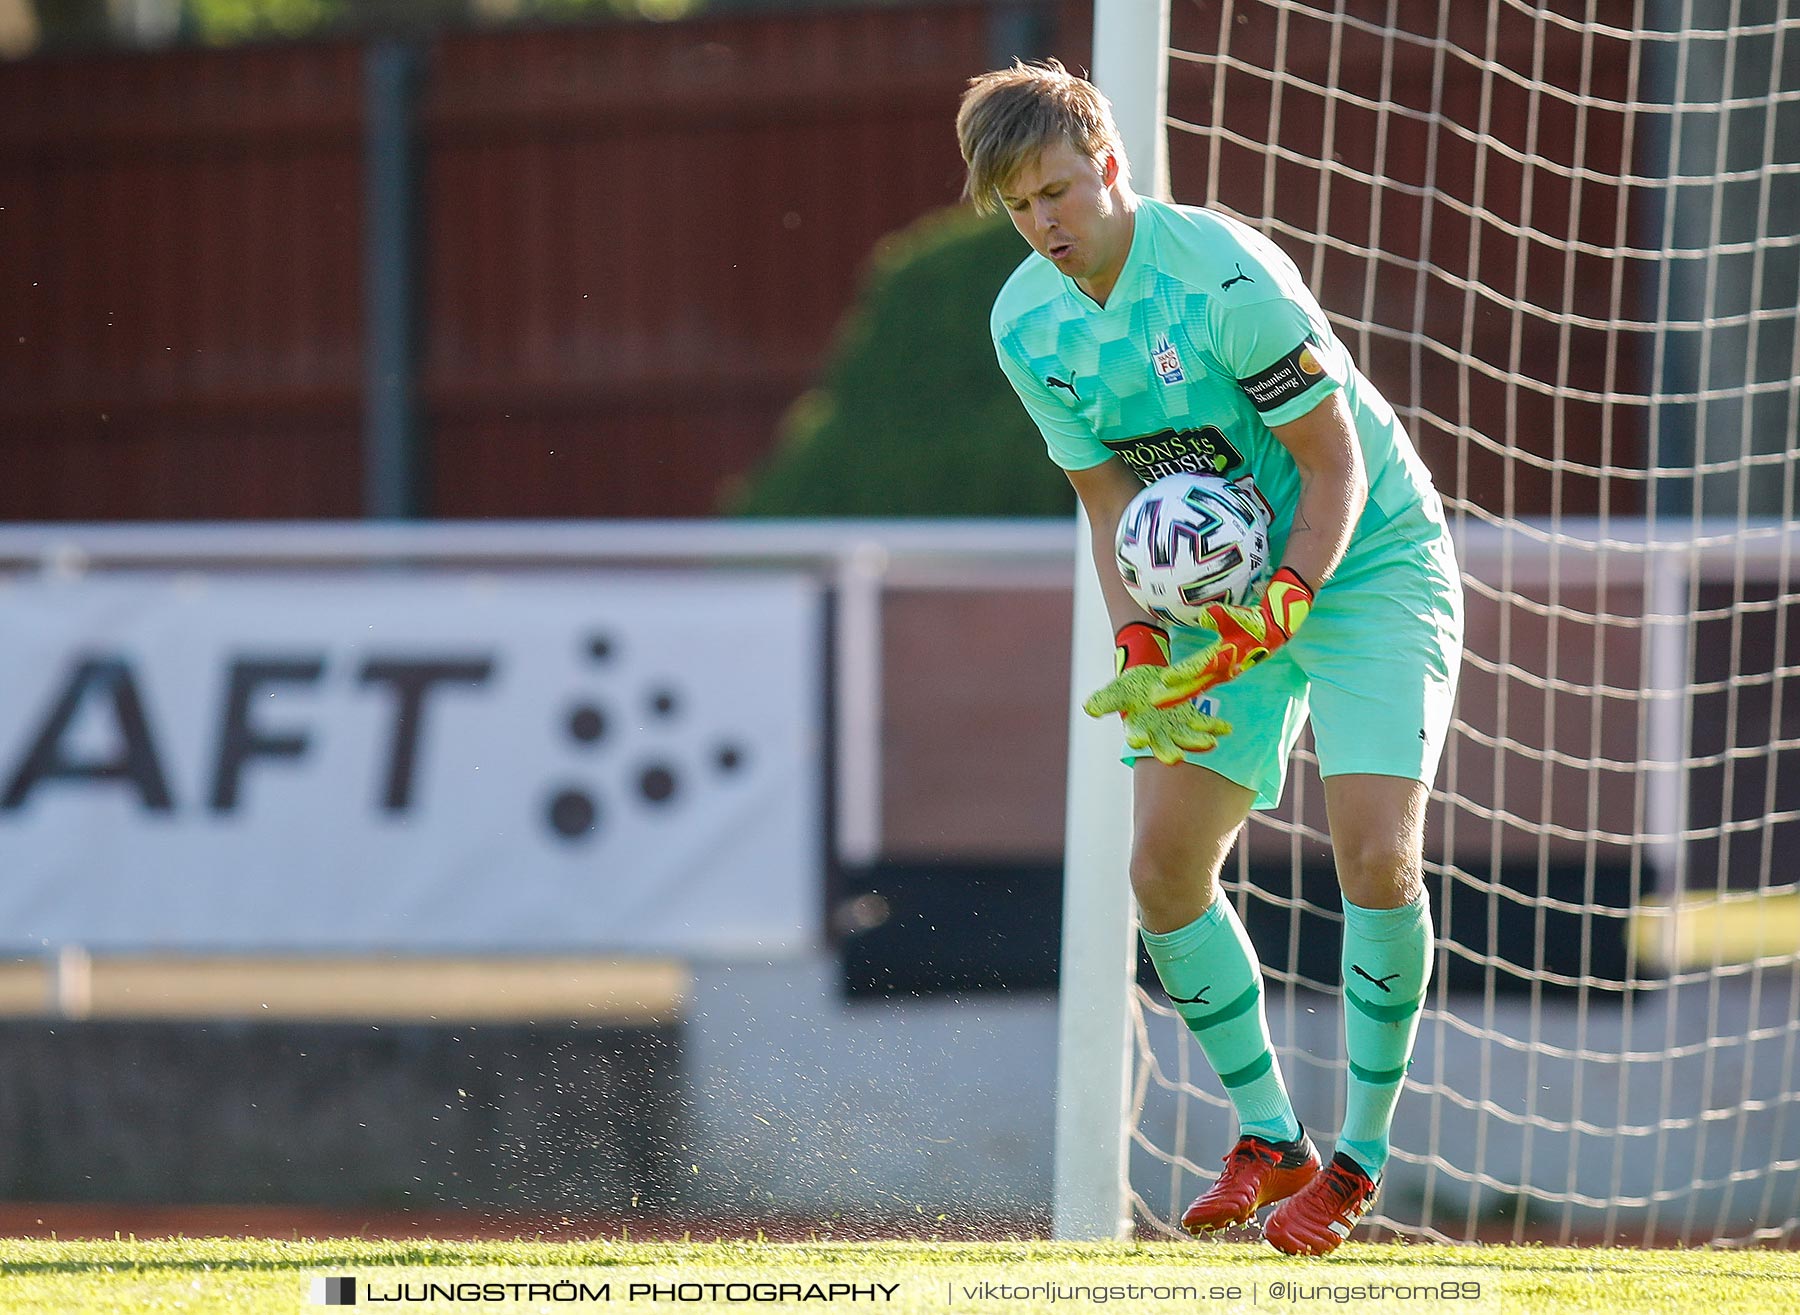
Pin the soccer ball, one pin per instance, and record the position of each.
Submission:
(1190, 540)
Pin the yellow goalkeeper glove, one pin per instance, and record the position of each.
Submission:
(1141, 658)
(1247, 635)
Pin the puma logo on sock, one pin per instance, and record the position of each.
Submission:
(1191, 1000)
(1382, 982)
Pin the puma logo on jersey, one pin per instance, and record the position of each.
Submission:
(1191, 1000)
(1239, 277)
(1382, 982)
(1068, 383)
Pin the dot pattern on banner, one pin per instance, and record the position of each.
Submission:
(657, 784)
(575, 813)
(587, 724)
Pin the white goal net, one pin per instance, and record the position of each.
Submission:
(1565, 242)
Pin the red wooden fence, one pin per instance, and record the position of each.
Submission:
(635, 241)
(180, 294)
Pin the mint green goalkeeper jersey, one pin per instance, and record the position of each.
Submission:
(1209, 339)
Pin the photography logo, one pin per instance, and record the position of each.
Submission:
(334, 1292)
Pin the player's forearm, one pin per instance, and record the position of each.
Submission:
(1331, 502)
(1104, 492)
(1121, 608)
(1334, 486)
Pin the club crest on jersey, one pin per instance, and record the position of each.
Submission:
(1168, 361)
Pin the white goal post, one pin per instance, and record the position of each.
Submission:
(1099, 949)
(1564, 240)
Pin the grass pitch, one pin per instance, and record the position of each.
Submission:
(1006, 1278)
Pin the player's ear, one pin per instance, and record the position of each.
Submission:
(1109, 169)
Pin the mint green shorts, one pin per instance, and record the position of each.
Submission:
(1375, 667)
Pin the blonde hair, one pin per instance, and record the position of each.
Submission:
(1011, 114)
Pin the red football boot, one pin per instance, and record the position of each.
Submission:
(1256, 1173)
(1315, 1220)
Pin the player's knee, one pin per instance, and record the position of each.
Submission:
(1167, 875)
(1377, 871)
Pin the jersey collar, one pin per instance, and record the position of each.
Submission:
(1136, 256)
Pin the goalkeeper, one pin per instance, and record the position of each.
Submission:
(1147, 339)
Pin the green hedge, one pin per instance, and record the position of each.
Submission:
(913, 417)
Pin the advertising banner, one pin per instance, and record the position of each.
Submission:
(596, 761)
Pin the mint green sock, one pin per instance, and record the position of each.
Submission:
(1210, 971)
(1387, 963)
